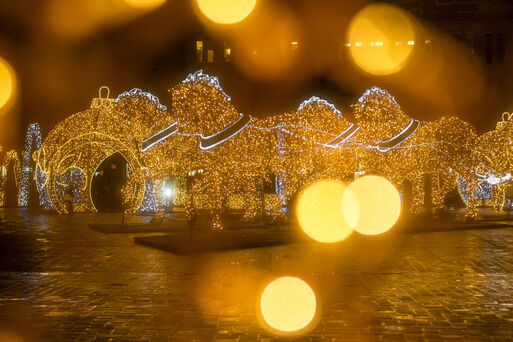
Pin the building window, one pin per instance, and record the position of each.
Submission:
(210, 56)
(227, 53)
(199, 51)
(500, 47)
(488, 48)
(295, 48)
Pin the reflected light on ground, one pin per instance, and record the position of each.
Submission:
(381, 39)
(371, 205)
(144, 3)
(6, 336)
(288, 304)
(319, 212)
(226, 11)
(7, 83)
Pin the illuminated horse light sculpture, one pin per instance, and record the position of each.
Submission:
(308, 145)
(402, 149)
(74, 149)
(232, 154)
(495, 149)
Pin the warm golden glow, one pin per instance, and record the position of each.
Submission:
(371, 205)
(144, 3)
(288, 304)
(264, 49)
(7, 80)
(382, 38)
(226, 11)
(319, 212)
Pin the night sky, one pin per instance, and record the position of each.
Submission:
(62, 57)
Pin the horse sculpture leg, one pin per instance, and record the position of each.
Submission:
(251, 199)
(418, 195)
(216, 197)
(471, 212)
(441, 187)
(192, 192)
(498, 197)
(157, 195)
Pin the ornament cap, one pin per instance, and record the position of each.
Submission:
(507, 121)
(102, 102)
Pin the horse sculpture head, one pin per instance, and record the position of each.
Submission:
(379, 115)
(201, 106)
(315, 122)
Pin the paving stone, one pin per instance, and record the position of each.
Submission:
(61, 281)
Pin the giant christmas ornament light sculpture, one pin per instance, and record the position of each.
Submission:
(85, 139)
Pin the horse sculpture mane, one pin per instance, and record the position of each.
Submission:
(201, 105)
(377, 108)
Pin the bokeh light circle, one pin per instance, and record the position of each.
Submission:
(381, 39)
(144, 4)
(7, 83)
(319, 212)
(371, 205)
(288, 304)
(226, 11)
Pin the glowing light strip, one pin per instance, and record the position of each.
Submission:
(225, 134)
(200, 76)
(384, 146)
(158, 137)
(319, 100)
(377, 90)
(280, 127)
(348, 133)
(148, 95)
(493, 179)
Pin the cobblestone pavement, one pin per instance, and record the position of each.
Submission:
(61, 281)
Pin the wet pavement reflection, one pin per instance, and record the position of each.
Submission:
(61, 281)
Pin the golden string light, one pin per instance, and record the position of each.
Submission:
(10, 170)
(221, 159)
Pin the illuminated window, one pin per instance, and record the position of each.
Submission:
(227, 53)
(411, 42)
(199, 51)
(295, 48)
(210, 56)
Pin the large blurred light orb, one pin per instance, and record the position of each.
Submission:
(381, 38)
(144, 4)
(288, 304)
(319, 212)
(371, 205)
(7, 83)
(226, 11)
